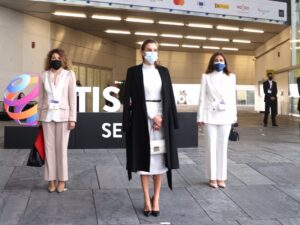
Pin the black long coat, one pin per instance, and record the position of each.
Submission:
(135, 123)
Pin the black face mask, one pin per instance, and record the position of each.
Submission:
(55, 64)
(270, 78)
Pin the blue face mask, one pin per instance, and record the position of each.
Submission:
(219, 66)
(151, 57)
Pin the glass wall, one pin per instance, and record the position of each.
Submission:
(91, 76)
(295, 48)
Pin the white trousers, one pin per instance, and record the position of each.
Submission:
(216, 144)
(56, 138)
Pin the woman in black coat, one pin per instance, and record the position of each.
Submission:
(150, 114)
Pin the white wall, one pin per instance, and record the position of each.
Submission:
(186, 68)
(17, 31)
(267, 58)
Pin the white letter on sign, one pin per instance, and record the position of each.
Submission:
(108, 132)
(116, 103)
(81, 93)
(116, 128)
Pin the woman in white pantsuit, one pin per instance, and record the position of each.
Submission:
(57, 116)
(216, 112)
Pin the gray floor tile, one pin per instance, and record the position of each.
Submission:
(13, 157)
(215, 203)
(193, 174)
(82, 177)
(273, 157)
(116, 177)
(293, 221)
(68, 208)
(248, 175)
(280, 173)
(93, 159)
(12, 206)
(24, 177)
(242, 158)
(5, 173)
(177, 207)
(258, 222)
(264, 202)
(291, 189)
(233, 180)
(114, 207)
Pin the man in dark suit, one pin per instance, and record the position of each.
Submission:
(270, 90)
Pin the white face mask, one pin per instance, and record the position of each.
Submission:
(151, 57)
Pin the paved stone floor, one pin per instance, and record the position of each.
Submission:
(263, 185)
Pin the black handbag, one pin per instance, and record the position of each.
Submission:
(234, 135)
(34, 158)
(37, 154)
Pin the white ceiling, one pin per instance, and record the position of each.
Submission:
(98, 27)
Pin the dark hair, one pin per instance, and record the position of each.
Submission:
(19, 95)
(63, 57)
(270, 73)
(210, 67)
(149, 41)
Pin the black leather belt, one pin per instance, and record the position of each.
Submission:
(153, 100)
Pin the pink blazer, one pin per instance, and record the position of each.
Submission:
(67, 105)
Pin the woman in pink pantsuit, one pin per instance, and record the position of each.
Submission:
(57, 116)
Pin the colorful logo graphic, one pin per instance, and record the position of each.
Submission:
(22, 110)
(178, 2)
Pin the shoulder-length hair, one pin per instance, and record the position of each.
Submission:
(63, 57)
(210, 67)
(149, 41)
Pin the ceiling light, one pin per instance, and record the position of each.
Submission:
(146, 34)
(219, 39)
(138, 20)
(117, 31)
(105, 17)
(196, 37)
(169, 45)
(171, 23)
(80, 15)
(295, 41)
(172, 35)
(200, 25)
(230, 49)
(241, 41)
(139, 42)
(211, 47)
(190, 46)
(221, 27)
(252, 30)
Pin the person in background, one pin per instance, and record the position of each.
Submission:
(270, 90)
(150, 115)
(78, 84)
(217, 111)
(298, 84)
(57, 116)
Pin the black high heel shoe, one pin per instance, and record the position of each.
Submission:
(147, 213)
(155, 213)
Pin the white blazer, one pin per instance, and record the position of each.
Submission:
(67, 98)
(217, 87)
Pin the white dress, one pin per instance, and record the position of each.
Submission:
(152, 87)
